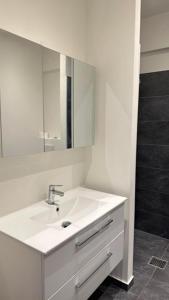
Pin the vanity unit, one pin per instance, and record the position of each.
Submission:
(41, 259)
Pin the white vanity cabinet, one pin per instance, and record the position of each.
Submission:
(86, 281)
(72, 271)
(80, 253)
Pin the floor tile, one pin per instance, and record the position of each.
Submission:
(141, 266)
(141, 234)
(104, 297)
(166, 254)
(162, 275)
(115, 293)
(149, 283)
(149, 245)
(96, 295)
(152, 222)
(155, 290)
(111, 290)
(140, 281)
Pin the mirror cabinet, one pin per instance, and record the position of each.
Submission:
(46, 99)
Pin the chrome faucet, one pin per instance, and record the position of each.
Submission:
(52, 193)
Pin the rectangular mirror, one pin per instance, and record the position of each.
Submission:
(21, 94)
(46, 99)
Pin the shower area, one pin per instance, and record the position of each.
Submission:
(151, 241)
(152, 162)
(152, 177)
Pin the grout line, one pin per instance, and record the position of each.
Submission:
(147, 282)
(139, 166)
(155, 269)
(152, 97)
(151, 277)
(154, 235)
(165, 250)
(158, 145)
(153, 121)
(141, 123)
(150, 190)
(154, 213)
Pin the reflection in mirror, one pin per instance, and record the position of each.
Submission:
(21, 96)
(57, 93)
(84, 82)
(69, 100)
(51, 90)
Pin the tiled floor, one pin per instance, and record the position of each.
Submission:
(150, 283)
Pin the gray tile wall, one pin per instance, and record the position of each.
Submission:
(152, 176)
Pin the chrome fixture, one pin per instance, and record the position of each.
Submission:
(52, 193)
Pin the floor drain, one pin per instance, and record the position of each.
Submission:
(157, 262)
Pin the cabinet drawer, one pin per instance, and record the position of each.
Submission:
(65, 262)
(81, 286)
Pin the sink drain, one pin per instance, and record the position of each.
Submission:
(66, 224)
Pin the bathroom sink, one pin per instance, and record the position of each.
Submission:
(69, 210)
(43, 228)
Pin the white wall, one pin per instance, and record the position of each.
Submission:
(83, 105)
(113, 47)
(58, 24)
(154, 61)
(61, 25)
(154, 32)
(33, 174)
(155, 43)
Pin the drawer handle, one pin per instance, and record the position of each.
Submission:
(80, 284)
(83, 242)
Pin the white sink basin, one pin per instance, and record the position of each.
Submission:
(69, 210)
(40, 225)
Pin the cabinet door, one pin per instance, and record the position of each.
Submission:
(65, 262)
(81, 286)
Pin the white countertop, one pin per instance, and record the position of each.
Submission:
(21, 225)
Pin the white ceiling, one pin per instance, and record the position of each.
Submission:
(154, 7)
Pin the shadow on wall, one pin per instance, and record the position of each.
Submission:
(25, 180)
(108, 160)
(19, 166)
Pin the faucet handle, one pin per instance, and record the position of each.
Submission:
(53, 186)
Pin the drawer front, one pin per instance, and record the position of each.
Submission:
(61, 265)
(81, 286)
